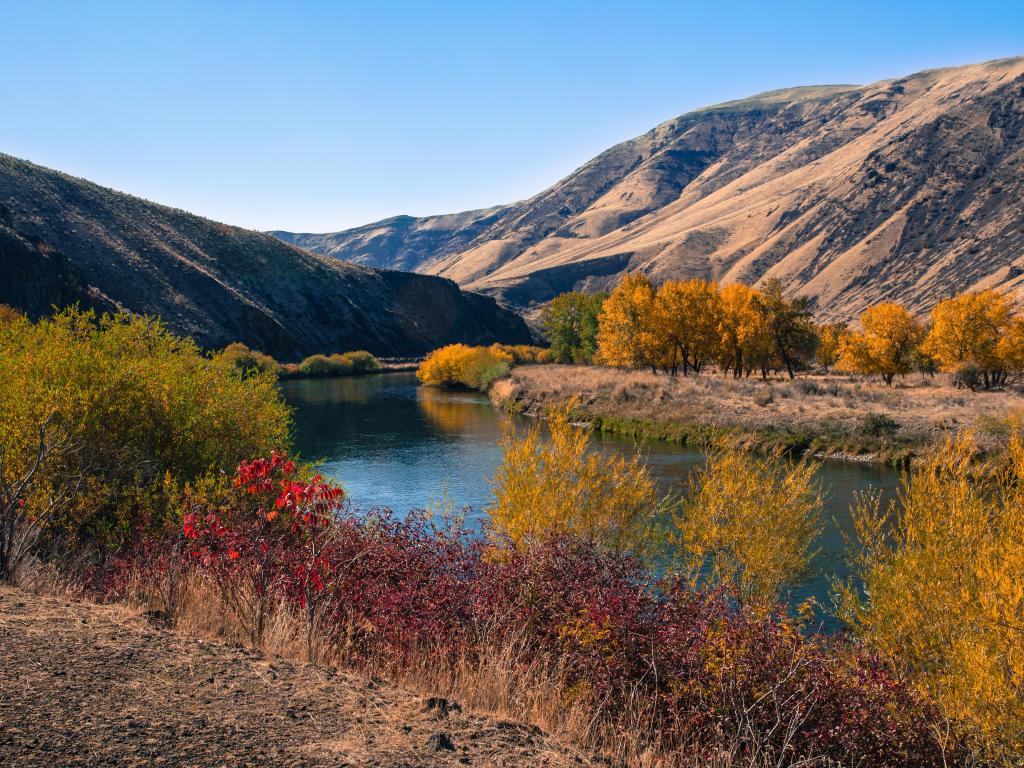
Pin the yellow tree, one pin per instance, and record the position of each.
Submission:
(886, 344)
(626, 334)
(1010, 348)
(743, 333)
(687, 316)
(829, 341)
(966, 331)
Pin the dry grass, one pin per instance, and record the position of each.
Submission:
(846, 411)
(507, 682)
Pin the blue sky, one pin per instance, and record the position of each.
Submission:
(315, 116)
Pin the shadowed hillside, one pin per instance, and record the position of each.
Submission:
(65, 240)
(907, 189)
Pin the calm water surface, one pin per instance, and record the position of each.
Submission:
(393, 444)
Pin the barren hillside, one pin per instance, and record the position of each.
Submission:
(64, 239)
(910, 188)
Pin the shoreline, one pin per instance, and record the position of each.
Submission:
(384, 368)
(826, 417)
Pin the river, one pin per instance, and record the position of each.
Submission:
(393, 444)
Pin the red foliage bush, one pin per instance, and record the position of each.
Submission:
(702, 672)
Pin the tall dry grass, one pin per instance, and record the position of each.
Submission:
(505, 680)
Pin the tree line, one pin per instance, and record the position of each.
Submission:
(684, 326)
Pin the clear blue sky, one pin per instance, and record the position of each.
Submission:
(315, 116)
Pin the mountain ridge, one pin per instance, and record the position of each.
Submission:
(214, 282)
(909, 188)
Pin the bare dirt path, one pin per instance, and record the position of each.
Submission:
(89, 685)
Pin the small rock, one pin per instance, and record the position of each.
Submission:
(440, 742)
(441, 706)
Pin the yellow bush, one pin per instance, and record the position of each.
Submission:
(142, 410)
(555, 486)
(942, 595)
(523, 354)
(749, 521)
(9, 314)
(458, 365)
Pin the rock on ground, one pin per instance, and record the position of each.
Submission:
(98, 685)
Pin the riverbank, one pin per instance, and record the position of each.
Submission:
(827, 416)
(87, 684)
(384, 367)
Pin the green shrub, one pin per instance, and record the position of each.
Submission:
(339, 364)
(319, 365)
(137, 413)
(361, 361)
(247, 360)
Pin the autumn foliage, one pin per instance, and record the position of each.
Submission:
(553, 485)
(666, 668)
(459, 365)
(681, 326)
(749, 522)
(940, 590)
(131, 414)
(886, 343)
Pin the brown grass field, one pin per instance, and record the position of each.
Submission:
(830, 415)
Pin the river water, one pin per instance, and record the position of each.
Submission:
(393, 444)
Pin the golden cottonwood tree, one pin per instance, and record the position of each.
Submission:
(625, 336)
(941, 591)
(886, 344)
(1010, 348)
(687, 316)
(743, 333)
(829, 341)
(966, 331)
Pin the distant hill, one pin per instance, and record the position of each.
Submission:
(907, 189)
(65, 240)
(402, 242)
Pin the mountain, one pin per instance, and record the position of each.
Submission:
(65, 240)
(401, 242)
(907, 189)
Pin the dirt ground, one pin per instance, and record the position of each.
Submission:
(89, 685)
(849, 413)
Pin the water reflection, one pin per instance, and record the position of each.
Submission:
(394, 444)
